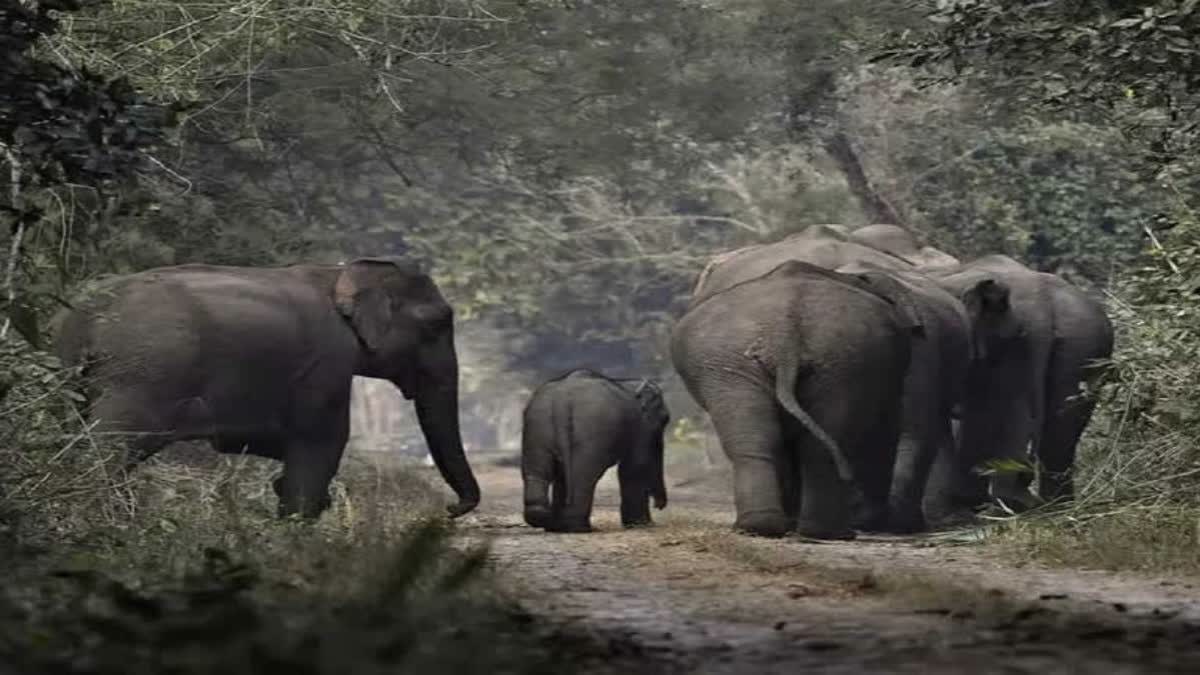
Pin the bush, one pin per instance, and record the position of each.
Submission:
(184, 568)
(1138, 476)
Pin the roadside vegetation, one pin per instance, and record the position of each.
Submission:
(565, 168)
(1128, 67)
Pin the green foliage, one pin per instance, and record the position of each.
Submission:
(1131, 63)
(62, 124)
(1127, 68)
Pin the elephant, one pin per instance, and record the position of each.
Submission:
(805, 408)
(938, 365)
(577, 426)
(260, 359)
(899, 242)
(934, 385)
(820, 245)
(1037, 338)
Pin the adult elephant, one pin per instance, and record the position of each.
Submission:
(899, 242)
(1037, 338)
(939, 363)
(261, 359)
(800, 370)
(934, 386)
(825, 246)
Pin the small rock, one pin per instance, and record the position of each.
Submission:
(1052, 596)
(1120, 607)
(780, 625)
(798, 591)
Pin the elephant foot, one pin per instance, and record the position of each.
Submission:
(633, 524)
(872, 520)
(570, 527)
(538, 516)
(813, 531)
(763, 523)
(952, 519)
(906, 521)
(906, 525)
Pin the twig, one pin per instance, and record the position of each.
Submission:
(10, 291)
(1159, 247)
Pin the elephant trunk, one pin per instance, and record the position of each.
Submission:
(437, 413)
(658, 486)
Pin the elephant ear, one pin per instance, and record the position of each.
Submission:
(650, 398)
(887, 287)
(363, 303)
(986, 297)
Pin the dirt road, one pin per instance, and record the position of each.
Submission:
(689, 596)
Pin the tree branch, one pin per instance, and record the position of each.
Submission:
(874, 205)
(14, 251)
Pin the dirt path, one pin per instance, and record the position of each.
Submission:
(690, 596)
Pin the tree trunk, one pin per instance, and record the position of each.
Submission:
(874, 205)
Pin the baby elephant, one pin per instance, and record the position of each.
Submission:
(577, 426)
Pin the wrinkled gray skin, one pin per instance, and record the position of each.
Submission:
(803, 407)
(899, 242)
(576, 427)
(934, 384)
(821, 245)
(940, 353)
(1037, 339)
(261, 359)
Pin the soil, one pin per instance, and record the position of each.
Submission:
(689, 595)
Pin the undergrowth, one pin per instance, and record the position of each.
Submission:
(1138, 470)
(182, 567)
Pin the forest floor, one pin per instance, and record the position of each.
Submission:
(689, 595)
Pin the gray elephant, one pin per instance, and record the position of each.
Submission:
(261, 360)
(821, 245)
(901, 243)
(1037, 339)
(934, 386)
(805, 408)
(576, 427)
(938, 367)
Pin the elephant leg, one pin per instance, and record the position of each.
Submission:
(635, 494)
(952, 492)
(914, 458)
(135, 423)
(581, 473)
(748, 425)
(826, 500)
(875, 469)
(1064, 425)
(309, 464)
(538, 471)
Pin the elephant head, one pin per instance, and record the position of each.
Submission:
(999, 415)
(405, 329)
(996, 331)
(654, 410)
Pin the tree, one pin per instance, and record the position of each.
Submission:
(60, 125)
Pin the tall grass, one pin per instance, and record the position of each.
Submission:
(183, 567)
(1138, 469)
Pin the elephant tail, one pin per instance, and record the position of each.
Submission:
(785, 391)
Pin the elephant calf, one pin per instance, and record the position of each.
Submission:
(575, 428)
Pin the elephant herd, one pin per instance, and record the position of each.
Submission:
(856, 381)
